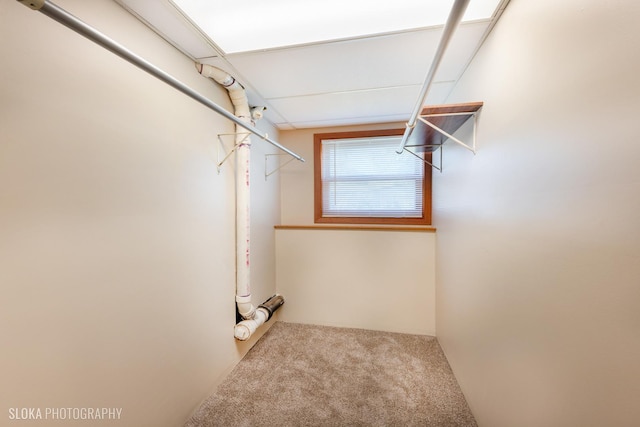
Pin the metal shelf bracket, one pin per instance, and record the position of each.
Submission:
(223, 154)
(433, 165)
(473, 114)
(444, 137)
(268, 173)
(222, 147)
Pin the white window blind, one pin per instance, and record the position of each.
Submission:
(365, 177)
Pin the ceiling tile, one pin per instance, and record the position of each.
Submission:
(377, 62)
(172, 26)
(389, 104)
(360, 80)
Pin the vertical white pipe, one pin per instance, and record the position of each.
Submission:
(243, 226)
(253, 318)
(243, 187)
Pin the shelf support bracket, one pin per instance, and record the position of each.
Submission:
(433, 165)
(472, 147)
(432, 148)
(268, 173)
(233, 150)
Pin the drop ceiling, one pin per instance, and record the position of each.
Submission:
(373, 78)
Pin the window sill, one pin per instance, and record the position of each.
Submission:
(423, 229)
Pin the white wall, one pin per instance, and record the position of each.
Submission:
(117, 250)
(538, 235)
(381, 280)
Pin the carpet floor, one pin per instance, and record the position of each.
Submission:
(305, 375)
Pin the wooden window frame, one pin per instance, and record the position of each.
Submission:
(425, 219)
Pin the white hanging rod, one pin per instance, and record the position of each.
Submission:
(68, 20)
(457, 11)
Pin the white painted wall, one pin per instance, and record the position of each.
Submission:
(538, 279)
(117, 249)
(381, 280)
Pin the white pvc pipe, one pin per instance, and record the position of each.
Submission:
(247, 327)
(252, 318)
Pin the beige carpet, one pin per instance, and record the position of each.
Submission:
(304, 375)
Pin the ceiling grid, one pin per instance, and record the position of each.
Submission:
(357, 79)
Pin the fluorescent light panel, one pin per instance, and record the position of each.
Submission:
(248, 25)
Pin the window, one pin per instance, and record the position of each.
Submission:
(360, 179)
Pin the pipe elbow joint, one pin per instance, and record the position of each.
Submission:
(220, 76)
(242, 331)
(246, 328)
(263, 313)
(245, 308)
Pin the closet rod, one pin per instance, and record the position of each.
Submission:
(455, 16)
(65, 18)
